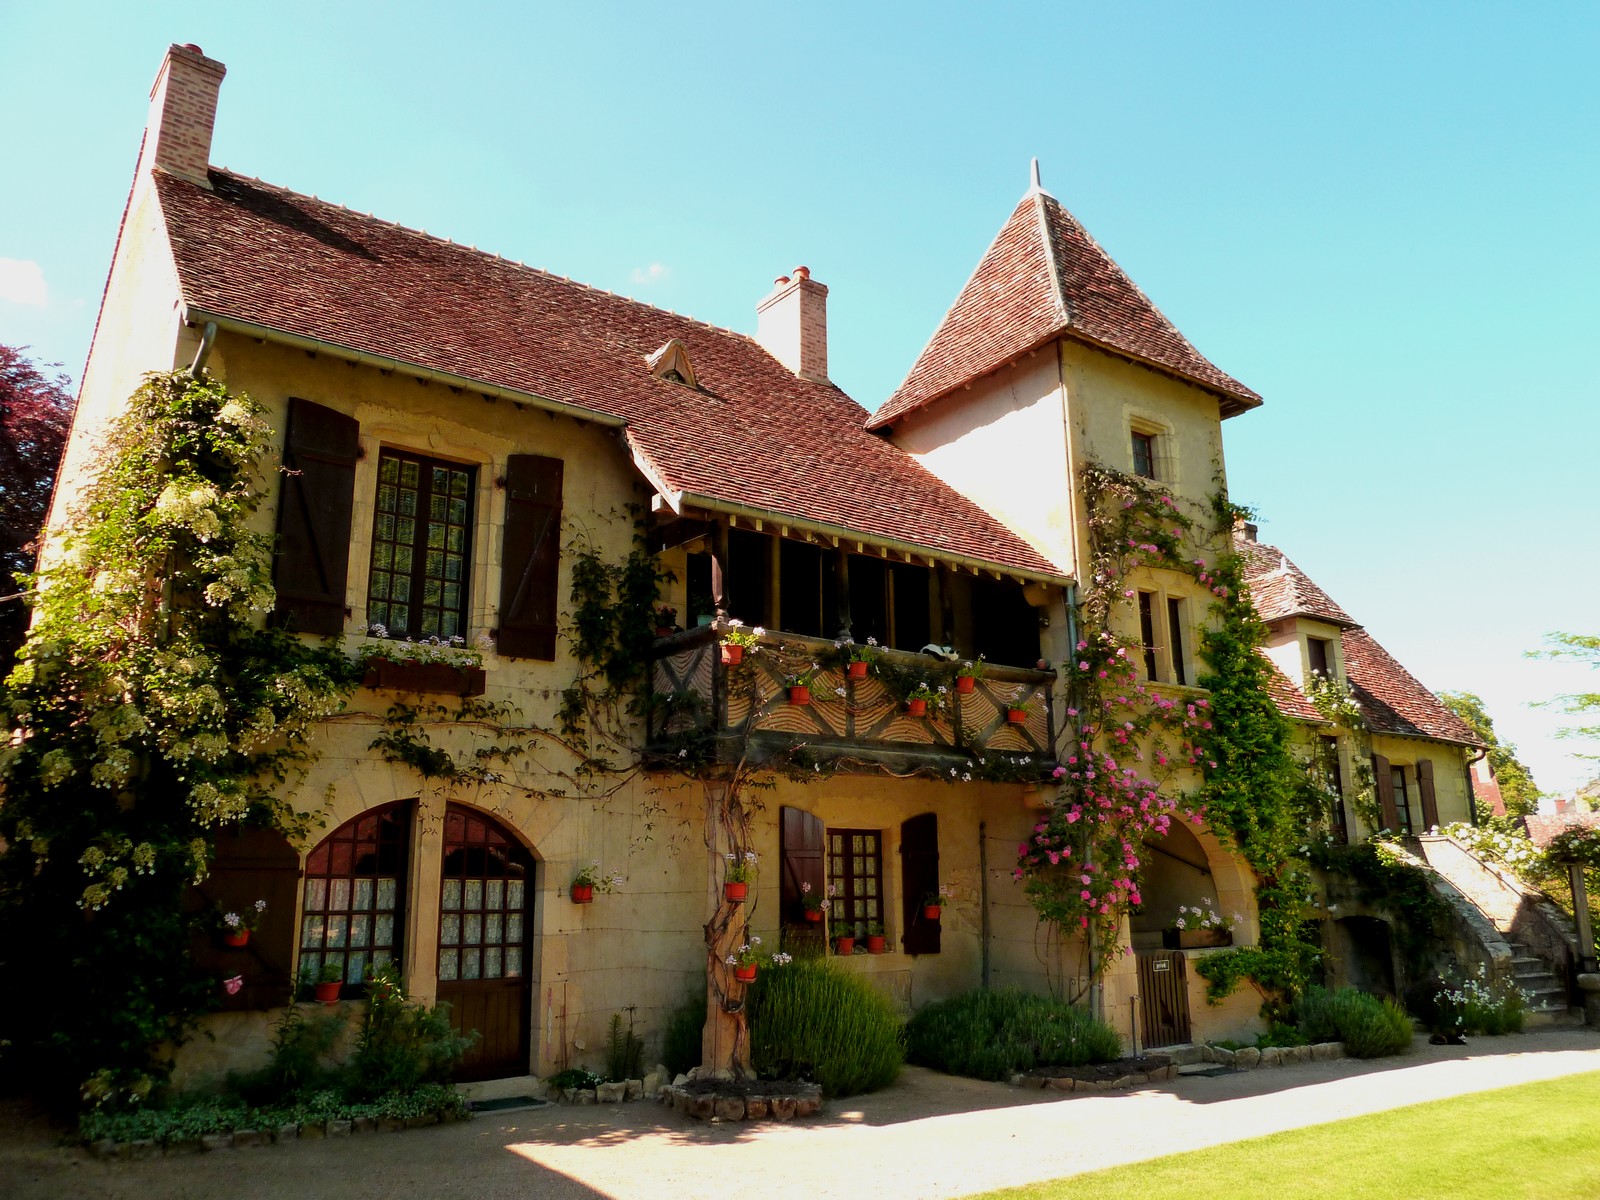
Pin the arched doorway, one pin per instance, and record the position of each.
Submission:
(485, 903)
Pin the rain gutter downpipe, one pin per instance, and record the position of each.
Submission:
(207, 337)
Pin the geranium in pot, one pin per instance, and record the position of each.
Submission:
(749, 958)
(1198, 927)
(739, 874)
(815, 904)
(968, 674)
(877, 941)
(238, 926)
(933, 903)
(589, 880)
(324, 982)
(737, 641)
(800, 683)
(857, 657)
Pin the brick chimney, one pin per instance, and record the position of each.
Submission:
(183, 108)
(792, 324)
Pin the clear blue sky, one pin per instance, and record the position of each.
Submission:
(1382, 217)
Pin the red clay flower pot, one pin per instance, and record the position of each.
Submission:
(239, 937)
(1017, 716)
(328, 993)
(735, 892)
(917, 708)
(931, 911)
(582, 893)
(844, 945)
(800, 694)
(965, 684)
(875, 943)
(856, 670)
(813, 914)
(745, 974)
(732, 655)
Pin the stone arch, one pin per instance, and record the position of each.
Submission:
(1188, 867)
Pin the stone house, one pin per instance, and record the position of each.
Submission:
(459, 432)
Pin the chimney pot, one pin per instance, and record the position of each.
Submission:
(780, 281)
(802, 272)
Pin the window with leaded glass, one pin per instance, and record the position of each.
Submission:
(421, 542)
(483, 901)
(354, 894)
(855, 873)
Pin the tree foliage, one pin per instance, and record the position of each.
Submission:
(1517, 788)
(34, 413)
(1585, 648)
(150, 706)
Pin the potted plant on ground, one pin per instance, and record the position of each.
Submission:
(238, 926)
(590, 879)
(876, 939)
(857, 658)
(1198, 927)
(814, 903)
(968, 674)
(738, 876)
(737, 641)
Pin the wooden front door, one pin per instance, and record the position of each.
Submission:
(1163, 998)
(485, 899)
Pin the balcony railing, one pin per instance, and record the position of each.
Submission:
(746, 710)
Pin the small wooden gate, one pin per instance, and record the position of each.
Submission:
(1163, 998)
(484, 938)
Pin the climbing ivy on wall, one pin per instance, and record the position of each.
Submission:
(150, 708)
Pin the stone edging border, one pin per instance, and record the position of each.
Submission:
(1066, 1083)
(1248, 1058)
(732, 1106)
(242, 1138)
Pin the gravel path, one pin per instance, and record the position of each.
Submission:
(928, 1136)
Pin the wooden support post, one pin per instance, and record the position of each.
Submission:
(1580, 914)
(719, 570)
(841, 593)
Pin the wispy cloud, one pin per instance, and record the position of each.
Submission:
(22, 282)
(654, 273)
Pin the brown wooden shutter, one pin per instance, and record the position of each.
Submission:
(1430, 805)
(919, 878)
(531, 563)
(251, 864)
(1386, 804)
(313, 552)
(803, 839)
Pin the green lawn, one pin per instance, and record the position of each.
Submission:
(1539, 1141)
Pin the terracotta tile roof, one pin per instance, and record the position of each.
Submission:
(1544, 827)
(1044, 276)
(1392, 699)
(754, 435)
(1291, 701)
(1486, 789)
(1281, 589)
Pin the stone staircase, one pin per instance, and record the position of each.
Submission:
(1547, 997)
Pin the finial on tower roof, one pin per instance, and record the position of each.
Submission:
(1034, 185)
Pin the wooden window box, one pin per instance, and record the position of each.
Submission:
(1195, 939)
(445, 678)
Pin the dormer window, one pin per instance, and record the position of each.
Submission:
(671, 364)
(1317, 657)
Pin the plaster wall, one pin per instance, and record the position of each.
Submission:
(136, 333)
(1287, 647)
(1002, 443)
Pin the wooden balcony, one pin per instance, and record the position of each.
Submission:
(852, 724)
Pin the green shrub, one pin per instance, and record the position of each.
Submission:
(403, 1044)
(681, 1042)
(1368, 1026)
(624, 1050)
(812, 1020)
(993, 1035)
(300, 1048)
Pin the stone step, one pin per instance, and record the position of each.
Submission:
(1555, 1017)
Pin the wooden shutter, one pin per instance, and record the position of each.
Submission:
(531, 562)
(1385, 782)
(1430, 805)
(803, 839)
(919, 878)
(251, 864)
(313, 552)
